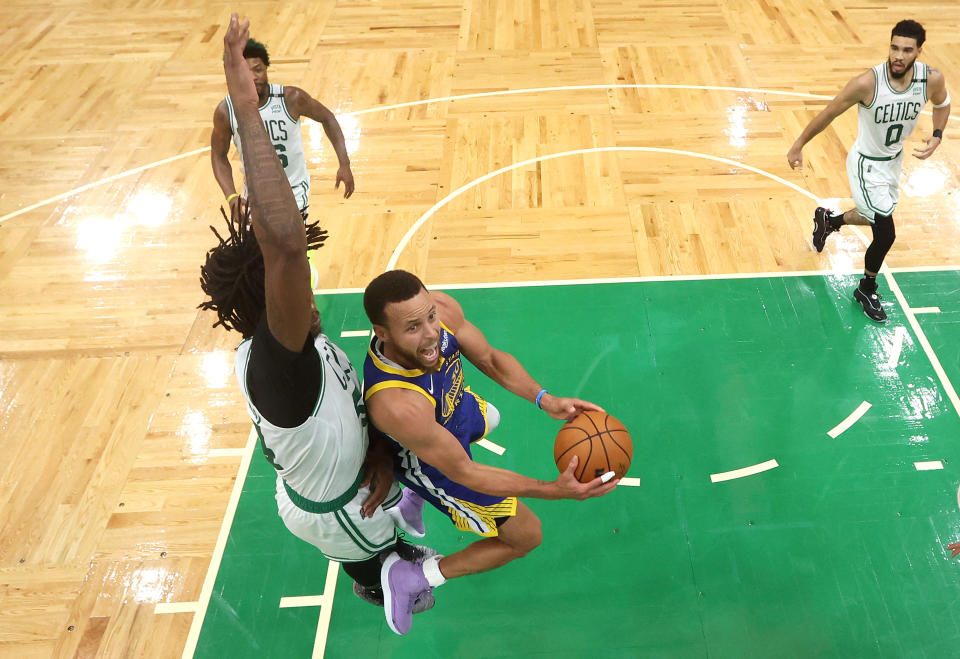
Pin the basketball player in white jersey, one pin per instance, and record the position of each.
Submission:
(889, 97)
(302, 393)
(280, 109)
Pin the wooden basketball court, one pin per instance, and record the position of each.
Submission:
(492, 141)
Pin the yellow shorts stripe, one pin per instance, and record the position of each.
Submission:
(483, 516)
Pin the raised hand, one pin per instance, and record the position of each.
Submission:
(571, 488)
(566, 409)
(239, 78)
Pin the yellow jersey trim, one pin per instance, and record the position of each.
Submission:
(386, 368)
(398, 384)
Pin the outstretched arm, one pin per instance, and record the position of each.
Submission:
(502, 367)
(937, 86)
(305, 105)
(858, 90)
(276, 220)
(408, 417)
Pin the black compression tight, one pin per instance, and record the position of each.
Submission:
(883, 236)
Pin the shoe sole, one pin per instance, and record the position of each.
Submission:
(387, 593)
(814, 240)
(865, 312)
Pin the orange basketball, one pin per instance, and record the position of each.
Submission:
(601, 442)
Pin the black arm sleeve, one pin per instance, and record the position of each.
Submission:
(284, 385)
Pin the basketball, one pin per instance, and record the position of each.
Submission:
(602, 443)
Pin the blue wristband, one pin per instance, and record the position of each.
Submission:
(539, 396)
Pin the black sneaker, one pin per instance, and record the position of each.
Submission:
(821, 228)
(871, 305)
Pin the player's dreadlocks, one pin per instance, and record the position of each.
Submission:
(233, 275)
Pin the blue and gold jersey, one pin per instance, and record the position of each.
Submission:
(456, 408)
(444, 389)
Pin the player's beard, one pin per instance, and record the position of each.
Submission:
(907, 67)
(414, 359)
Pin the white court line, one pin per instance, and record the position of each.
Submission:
(926, 268)
(917, 330)
(323, 624)
(305, 600)
(928, 466)
(745, 471)
(612, 280)
(392, 263)
(898, 336)
(850, 420)
(922, 339)
(176, 607)
(490, 446)
(384, 108)
(349, 333)
(214, 567)
(630, 482)
(535, 90)
(925, 309)
(82, 188)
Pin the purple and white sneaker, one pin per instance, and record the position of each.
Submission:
(375, 596)
(408, 514)
(403, 583)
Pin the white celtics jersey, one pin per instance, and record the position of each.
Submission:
(321, 458)
(892, 116)
(284, 132)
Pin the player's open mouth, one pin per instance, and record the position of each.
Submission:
(430, 354)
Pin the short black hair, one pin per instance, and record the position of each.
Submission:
(911, 30)
(233, 275)
(256, 49)
(391, 286)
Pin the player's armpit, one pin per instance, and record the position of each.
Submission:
(408, 417)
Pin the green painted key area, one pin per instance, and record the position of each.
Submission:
(837, 552)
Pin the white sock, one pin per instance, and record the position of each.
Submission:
(431, 570)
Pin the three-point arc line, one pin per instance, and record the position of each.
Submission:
(744, 471)
(850, 420)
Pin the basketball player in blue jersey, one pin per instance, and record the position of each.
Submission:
(302, 393)
(415, 393)
(280, 109)
(889, 97)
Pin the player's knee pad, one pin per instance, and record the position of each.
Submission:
(883, 236)
(883, 230)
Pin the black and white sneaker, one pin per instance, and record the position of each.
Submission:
(871, 305)
(821, 228)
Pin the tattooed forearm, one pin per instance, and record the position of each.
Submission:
(274, 210)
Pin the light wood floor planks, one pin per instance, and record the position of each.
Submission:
(114, 389)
